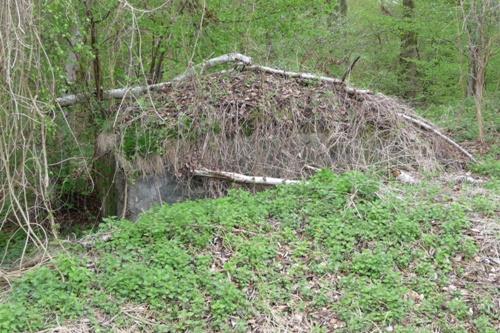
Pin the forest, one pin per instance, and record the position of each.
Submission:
(249, 165)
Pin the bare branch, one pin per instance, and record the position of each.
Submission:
(239, 178)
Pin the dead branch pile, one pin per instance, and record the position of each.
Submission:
(256, 121)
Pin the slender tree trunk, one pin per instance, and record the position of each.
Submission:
(156, 59)
(478, 98)
(104, 174)
(158, 72)
(473, 66)
(96, 63)
(103, 167)
(408, 53)
(476, 85)
(480, 18)
(339, 12)
(342, 9)
(72, 65)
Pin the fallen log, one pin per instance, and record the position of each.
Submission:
(121, 93)
(306, 76)
(427, 126)
(240, 178)
(223, 59)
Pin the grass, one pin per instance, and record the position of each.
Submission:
(459, 118)
(339, 252)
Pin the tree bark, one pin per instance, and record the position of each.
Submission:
(408, 54)
(104, 170)
(72, 65)
(473, 65)
(239, 178)
(478, 98)
(158, 71)
(342, 8)
(480, 18)
(156, 60)
(96, 63)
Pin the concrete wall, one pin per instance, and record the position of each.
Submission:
(146, 191)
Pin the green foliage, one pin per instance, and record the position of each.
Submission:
(376, 301)
(489, 166)
(215, 264)
(12, 245)
(305, 35)
(143, 141)
(211, 264)
(270, 31)
(459, 117)
(46, 292)
(62, 30)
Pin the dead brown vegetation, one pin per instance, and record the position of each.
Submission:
(259, 123)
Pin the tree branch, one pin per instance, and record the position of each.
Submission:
(239, 178)
(120, 93)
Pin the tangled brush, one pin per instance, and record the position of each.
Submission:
(256, 122)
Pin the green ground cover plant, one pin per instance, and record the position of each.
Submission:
(338, 252)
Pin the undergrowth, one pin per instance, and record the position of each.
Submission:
(459, 118)
(332, 250)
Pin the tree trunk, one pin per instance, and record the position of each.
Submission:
(480, 20)
(72, 65)
(96, 63)
(103, 167)
(104, 174)
(342, 8)
(478, 95)
(339, 13)
(158, 72)
(408, 54)
(475, 86)
(156, 59)
(473, 65)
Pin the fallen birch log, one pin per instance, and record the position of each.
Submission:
(427, 126)
(121, 93)
(239, 178)
(223, 59)
(306, 76)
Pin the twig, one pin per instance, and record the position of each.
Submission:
(349, 70)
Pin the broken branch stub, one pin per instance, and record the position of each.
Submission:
(223, 59)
